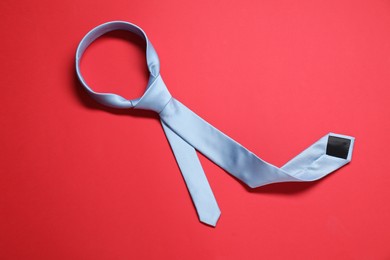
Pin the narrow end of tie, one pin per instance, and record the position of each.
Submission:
(210, 218)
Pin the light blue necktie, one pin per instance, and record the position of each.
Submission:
(186, 132)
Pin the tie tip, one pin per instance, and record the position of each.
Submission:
(210, 220)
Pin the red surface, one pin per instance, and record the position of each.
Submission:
(79, 182)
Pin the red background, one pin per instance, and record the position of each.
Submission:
(79, 181)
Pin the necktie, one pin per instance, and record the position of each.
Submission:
(187, 132)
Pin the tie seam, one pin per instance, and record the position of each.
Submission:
(305, 169)
(169, 101)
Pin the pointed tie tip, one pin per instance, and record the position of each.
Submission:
(210, 220)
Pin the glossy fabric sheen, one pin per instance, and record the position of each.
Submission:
(187, 132)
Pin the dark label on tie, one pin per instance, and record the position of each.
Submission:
(338, 147)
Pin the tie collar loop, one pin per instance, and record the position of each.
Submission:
(156, 95)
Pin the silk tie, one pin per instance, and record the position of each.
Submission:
(187, 132)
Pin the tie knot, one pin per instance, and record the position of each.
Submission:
(156, 96)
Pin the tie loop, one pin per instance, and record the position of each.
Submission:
(156, 95)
